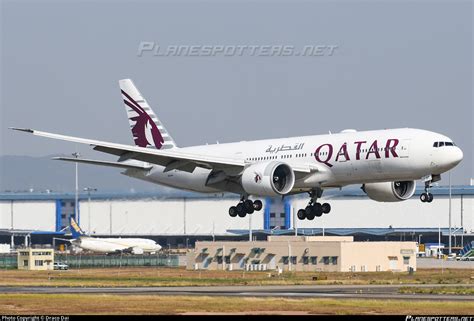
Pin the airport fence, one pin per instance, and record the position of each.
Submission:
(78, 261)
(8, 261)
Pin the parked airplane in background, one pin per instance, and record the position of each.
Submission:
(385, 162)
(111, 245)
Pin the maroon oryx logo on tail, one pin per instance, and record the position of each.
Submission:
(143, 122)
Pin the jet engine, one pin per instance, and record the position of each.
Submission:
(390, 191)
(136, 250)
(268, 179)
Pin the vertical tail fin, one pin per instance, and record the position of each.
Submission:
(147, 130)
(75, 229)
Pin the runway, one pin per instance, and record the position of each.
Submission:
(293, 291)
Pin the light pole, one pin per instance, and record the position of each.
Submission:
(295, 226)
(89, 190)
(76, 195)
(462, 223)
(250, 228)
(449, 212)
(419, 243)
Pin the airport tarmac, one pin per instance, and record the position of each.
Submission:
(293, 291)
(432, 263)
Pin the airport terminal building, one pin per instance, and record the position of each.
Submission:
(181, 219)
(304, 254)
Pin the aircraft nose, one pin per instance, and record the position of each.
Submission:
(449, 158)
(456, 156)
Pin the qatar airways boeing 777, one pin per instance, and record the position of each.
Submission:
(386, 163)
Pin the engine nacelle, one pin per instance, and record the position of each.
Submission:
(268, 179)
(137, 250)
(390, 191)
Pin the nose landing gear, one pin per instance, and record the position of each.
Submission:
(427, 197)
(245, 207)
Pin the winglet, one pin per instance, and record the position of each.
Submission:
(27, 130)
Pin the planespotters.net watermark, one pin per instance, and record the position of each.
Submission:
(150, 48)
(439, 318)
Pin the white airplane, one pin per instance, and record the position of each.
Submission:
(386, 163)
(111, 245)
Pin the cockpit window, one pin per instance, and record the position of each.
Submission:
(441, 144)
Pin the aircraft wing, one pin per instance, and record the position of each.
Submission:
(101, 163)
(66, 240)
(170, 158)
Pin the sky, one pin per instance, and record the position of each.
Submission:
(395, 64)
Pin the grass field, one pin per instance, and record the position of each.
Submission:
(151, 304)
(155, 304)
(149, 276)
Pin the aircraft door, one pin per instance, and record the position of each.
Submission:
(404, 150)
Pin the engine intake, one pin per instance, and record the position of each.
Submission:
(390, 191)
(268, 179)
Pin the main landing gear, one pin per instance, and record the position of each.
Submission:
(314, 209)
(427, 196)
(245, 207)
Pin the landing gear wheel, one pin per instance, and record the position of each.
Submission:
(257, 205)
(301, 214)
(233, 211)
(317, 209)
(430, 198)
(308, 211)
(326, 208)
(248, 206)
(427, 196)
(241, 210)
(424, 197)
(310, 216)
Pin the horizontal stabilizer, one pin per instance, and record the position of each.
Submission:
(102, 163)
